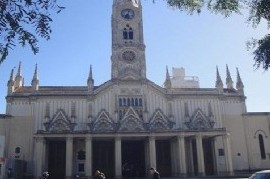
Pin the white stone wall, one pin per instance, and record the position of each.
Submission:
(234, 125)
(220, 160)
(195, 103)
(107, 98)
(255, 125)
(19, 107)
(18, 132)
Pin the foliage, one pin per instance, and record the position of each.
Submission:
(258, 10)
(225, 7)
(262, 53)
(22, 21)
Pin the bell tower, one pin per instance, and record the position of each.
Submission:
(128, 49)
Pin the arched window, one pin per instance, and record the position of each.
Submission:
(128, 102)
(140, 102)
(262, 149)
(136, 102)
(128, 33)
(120, 102)
(132, 102)
(125, 34)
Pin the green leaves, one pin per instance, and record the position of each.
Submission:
(258, 10)
(190, 6)
(23, 21)
(225, 7)
(43, 28)
(262, 53)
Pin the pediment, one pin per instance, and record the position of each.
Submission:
(103, 123)
(131, 121)
(159, 121)
(200, 121)
(59, 123)
(105, 87)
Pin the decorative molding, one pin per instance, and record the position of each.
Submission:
(159, 121)
(59, 123)
(131, 122)
(199, 121)
(260, 132)
(103, 123)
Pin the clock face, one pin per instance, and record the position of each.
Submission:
(127, 14)
(128, 56)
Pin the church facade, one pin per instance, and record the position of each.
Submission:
(129, 124)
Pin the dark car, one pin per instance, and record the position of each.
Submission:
(265, 174)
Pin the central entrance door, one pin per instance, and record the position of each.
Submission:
(57, 159)
(209, 156)
(103, 157)
(163, 153)
(133, 159)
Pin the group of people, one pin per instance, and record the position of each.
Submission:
(155, 174)
(99, 175)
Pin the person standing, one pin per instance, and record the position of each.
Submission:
(155, 173)
(99, 175)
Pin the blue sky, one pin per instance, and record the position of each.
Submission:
(82, 36)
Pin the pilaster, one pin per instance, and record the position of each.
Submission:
(181, 156)
(88, 156)
(69, 157)
(228, 153)
(39, 152)
(118, 157)
(152, 152)
(200, 155)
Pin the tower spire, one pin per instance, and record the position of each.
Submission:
(11, 78)
(90, 77)
(167, 83)
(19, 73)
(239, 83)
(219, 83)
(19, 78)
(10, 83)
(35, 80)
(229, 81)
(90, 80)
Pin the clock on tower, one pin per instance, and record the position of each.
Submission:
(128, 49)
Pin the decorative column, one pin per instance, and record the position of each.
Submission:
(69, 157)
(88, 156)
(152, 152)
(228, 153)
(147, 153)
(181, 156)
(39, 152)
(174, 160)
(190, 156)
(200, 155)
(118, 157)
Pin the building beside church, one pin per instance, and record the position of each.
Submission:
(129, 124)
